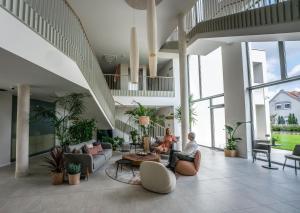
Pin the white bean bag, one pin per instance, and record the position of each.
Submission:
(157, 178)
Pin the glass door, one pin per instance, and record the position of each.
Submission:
(219, 137)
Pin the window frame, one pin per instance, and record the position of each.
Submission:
(278, 106)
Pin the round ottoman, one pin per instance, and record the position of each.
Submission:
(157, 178)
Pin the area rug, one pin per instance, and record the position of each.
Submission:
(124, 176)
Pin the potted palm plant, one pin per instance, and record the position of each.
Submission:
(192, 112)
(74, 173)
(55, 163)
(231, 142)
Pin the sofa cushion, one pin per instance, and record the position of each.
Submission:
(107, 153)
(98, 161)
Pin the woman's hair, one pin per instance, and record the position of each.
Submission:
(167, 131)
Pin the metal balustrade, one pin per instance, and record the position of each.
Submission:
(57, 23)
(126, 127)
(205, 10)
(159, 86)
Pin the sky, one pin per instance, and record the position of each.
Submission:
(292, 50)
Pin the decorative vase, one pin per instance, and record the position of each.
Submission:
(57, 178)
(74, 179)
(146, 144)
(144, 120)
(230, 153)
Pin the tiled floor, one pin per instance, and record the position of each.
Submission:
(230, 185)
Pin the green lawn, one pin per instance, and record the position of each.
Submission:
(287, 141)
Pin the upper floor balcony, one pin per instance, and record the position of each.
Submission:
(120, 85)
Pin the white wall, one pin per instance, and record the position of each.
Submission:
(236, 98)
(260, 102)
(5, 127)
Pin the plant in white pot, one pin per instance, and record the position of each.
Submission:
(74, 173)
(231, 142)
(55, 163)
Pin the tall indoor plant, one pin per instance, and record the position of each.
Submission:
(231, 142)
(192, 112)
(68, 110)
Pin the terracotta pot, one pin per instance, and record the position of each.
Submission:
(57, 178)
(230, 153)
(146, 144)
(74, 179)
(144, 120)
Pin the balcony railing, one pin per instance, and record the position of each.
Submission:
(159, 86)
(205, 10)
(57, 23)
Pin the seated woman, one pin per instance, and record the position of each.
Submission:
(166, 144)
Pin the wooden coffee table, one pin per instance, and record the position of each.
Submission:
(138, 159)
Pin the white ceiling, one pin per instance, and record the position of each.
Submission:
(108, 22)
(44, 85)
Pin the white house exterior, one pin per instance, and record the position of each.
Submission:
(285, 103)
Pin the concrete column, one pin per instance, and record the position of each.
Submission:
(22, 134)
(184, 99)
(236, 95)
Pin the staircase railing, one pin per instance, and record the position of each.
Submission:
(57, 23)
(160, 83)
(126, 127)
(205, 10)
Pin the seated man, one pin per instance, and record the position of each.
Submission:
(187, 154)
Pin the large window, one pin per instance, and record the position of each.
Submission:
(206, 86)
(194, 78)
(276, 112)
(212, 73)
(265, 62)
(41, 132)
(275, 95)
(292, 53)
(202, 125)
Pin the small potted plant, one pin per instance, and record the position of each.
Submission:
(74, 173)
(231, 142)
(55, 163)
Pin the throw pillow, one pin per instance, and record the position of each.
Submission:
(93, 151)
(99, 148)
(89, 146)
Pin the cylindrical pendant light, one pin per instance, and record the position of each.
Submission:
(152, 37)
(134, 56)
